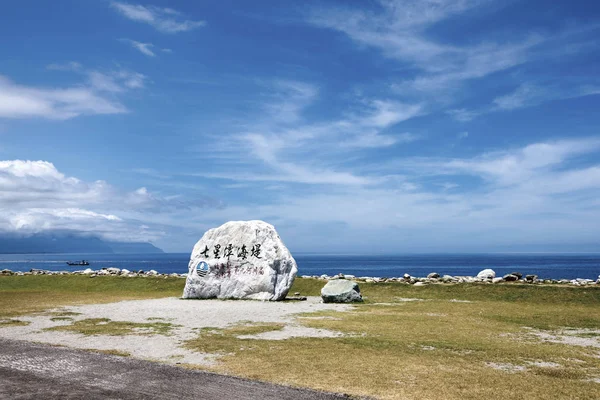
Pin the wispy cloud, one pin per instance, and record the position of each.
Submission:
(399, 30)
(144, 48)
(522, 167)
(462, 114)
(528, 95)
(438, 72)
(18, 101)
(95, 96)
(165, 20)
(69, 66)
(283, 144)
(551, 185)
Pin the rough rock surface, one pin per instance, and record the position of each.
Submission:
(240, 260)
(341, 291)
(487, 274)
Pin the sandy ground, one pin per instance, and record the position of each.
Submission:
(189, 315)
(573, 337)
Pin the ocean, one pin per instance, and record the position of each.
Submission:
(550, 266)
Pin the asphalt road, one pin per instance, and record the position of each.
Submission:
(35, 371)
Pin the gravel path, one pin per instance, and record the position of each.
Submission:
(33, 371)
(188, 315)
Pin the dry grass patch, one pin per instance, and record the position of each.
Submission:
(104, 326)
(21, 295)
(435, 349)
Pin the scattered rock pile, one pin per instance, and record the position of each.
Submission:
(514, 277)
(487, 276)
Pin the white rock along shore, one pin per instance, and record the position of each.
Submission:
(432, 278)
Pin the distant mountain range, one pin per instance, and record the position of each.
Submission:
(69, 242)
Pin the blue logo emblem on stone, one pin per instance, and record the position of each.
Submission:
(202, 269)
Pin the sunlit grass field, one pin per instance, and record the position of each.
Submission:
(21, 295)
(468, 341)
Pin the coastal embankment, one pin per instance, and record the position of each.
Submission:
(486, 276)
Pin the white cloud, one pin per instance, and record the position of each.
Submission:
(531, 162)
(116, 81)
(374, 140)
(144, 48)
(18, 101)
(388, 113)
(96, 96)
(544, 191)
(462, 114)
(541, 193)
(104, 82)
(165, 20)
(399, 31)
(527, 95)
(523, 167)
(37, 197)
(285, 147)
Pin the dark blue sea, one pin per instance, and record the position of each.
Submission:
(551, 266)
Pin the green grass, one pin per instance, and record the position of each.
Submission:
(12, 322)
(227, 341)
(21, 295)
(55, 319)
(522, 293)
(118, 353)
(104, 326)
(64, 313)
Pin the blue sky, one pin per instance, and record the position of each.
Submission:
(379, 126)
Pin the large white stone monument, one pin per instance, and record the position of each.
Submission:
(240, 260)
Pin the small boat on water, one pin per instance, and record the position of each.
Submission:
(82, 262)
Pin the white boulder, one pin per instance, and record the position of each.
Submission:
(240, 260)
(487, 274)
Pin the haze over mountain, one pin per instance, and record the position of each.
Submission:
(68, 242)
